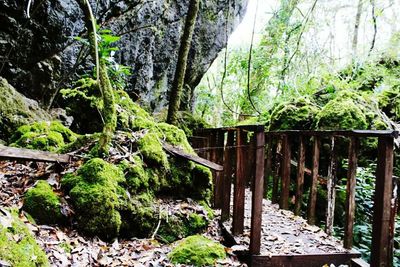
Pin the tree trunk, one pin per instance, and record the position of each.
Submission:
(177, 86)
(356, 27)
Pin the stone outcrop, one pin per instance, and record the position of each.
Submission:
(39, 55)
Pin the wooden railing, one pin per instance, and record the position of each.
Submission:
(249, 154)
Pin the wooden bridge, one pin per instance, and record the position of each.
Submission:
(252, 157)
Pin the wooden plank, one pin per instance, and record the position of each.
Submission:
(284, 199)
(350, 193)
(239, 186)
(268, 166)
(381, 254)
(277, 165)
(257, 194)
(227, 178)
(300, 176)
(13, 153)
(314, 182)
(359, 263)
(180, 153)
(219, 159)
(309, 260)
(331, 186)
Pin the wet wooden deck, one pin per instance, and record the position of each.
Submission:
(287, 240)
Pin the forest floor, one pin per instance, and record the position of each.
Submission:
(64, 246)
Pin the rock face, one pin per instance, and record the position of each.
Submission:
(39, 55)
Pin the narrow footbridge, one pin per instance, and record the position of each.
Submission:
(256, 162)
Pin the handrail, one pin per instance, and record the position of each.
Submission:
(246, 157)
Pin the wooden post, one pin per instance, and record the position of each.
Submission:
(257, 193)
(239, 189)
(250, 159)
(331, 185)
(213, 158)
(227, 176)
(350, 193)
(277, 165)
(268, 166)
(219, 155)
(300, 176)
(381, 254)
(284, 200)
(314, 182)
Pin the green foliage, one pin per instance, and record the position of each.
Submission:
(151, 148)
(198, 251)
(50, 136)
(389, 102)
(43, 204)
(17, 244)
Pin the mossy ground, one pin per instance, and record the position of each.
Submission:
(43, 204)
(17, 245)
(198, 251)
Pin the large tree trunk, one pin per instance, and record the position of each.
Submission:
(177, 86)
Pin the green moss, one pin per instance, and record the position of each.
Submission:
(66, 247)
(43, 204)
(198, 251)
(137, 178)
(208, 209)
(293, 115)
(97, 197)
(16, 110)
(43, 135)
(201, 183)
(174, 136)
(341, 114)
(150, 147)
(189, 122)
(389, 102)
(179, 225)
(17, 245)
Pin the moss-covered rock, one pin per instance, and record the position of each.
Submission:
(151, 148)
(43, 204)
(44, 135)
(17, 110)
(293, 115)
(17, 245)
(341, 114)
(181, 225)
(198, 251)
(389, 102)
(189, 122)
(97, 197)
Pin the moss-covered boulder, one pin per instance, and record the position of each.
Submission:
(389, 102)
(97, 196)
(181, 225)
(17, 245)
(198, 251)
(297, 114)
(43, 204)
(17, 110)
(43, 135)
(341, 113)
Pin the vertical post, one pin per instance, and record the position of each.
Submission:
(314, 181)
(227, 176)
(350, 193)
(277, 165)
(257, 193)
(219, 154)
(250, 159)
(381, 254)
(331, 185)
(300, 176)
(213, 157)
(239, 188)
(268, 166)
(284, 200)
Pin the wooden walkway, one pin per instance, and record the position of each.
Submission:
(249, 154)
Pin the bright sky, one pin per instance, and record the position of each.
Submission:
(242, 35)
